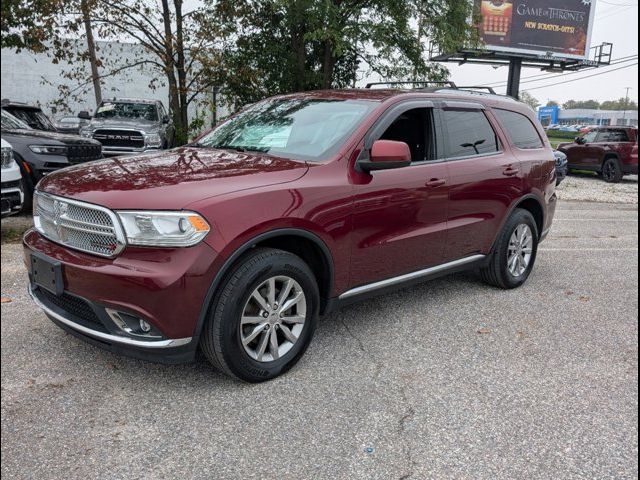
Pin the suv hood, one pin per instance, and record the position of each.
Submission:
(51, 138)
(133, 123)
(170, 180)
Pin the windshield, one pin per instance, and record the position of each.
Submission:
(9, 122)
(301, 128)
(146, 111)
(34, 118)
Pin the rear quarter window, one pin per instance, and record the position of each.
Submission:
(520, 129)
(468, 133)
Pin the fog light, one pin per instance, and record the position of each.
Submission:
(144, 326)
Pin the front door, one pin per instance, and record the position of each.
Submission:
(400, 215)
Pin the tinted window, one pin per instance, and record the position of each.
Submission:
(468, 133)
(521, 131)
(613, 136)
(415, 128)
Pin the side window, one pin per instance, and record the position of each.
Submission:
(590, 136)
(415, 128)
(603, 136)
(619, 136)
(520, 129)
(468, 133)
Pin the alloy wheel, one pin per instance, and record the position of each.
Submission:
(273, 318)
(520, 250)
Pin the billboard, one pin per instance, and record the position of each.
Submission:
(558, 28)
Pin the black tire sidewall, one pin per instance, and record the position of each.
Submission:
(618, 169)
(228, 312)
(518, 218)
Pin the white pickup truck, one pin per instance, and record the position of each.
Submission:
(12, 195)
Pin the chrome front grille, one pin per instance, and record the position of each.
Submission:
(82, 226)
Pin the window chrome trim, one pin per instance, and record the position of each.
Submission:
(118, 230)
(170, 343)
(410, 276)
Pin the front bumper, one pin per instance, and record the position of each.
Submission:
(164, 287)
(12, 197)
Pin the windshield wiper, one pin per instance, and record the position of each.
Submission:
(242, 149)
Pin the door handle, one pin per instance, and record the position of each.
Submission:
(510, 172)
(436, 182)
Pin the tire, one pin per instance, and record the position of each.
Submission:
(498, 272)
(223, 333)
(27, 187)
(612, 170)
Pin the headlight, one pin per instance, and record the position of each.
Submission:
(7, 157)
(163, 229)
(153, 140)
(48, 149)
(86, 132)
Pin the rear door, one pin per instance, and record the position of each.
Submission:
(483, 179)
(400, 216)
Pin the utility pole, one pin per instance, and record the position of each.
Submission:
(91, 47)
(626, 105)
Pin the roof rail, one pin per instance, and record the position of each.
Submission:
(422, 83)
(476, 88)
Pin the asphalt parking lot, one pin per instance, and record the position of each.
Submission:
(450, 379)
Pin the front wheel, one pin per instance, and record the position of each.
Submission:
(612, 171)
(264, 316)
(515, 252)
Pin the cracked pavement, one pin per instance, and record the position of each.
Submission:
(449, 379)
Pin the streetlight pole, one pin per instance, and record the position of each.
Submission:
(626, 104)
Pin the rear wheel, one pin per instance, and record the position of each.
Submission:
(264, 316)
(612, 171)
(515, 252)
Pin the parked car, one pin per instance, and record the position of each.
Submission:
(70, 125)
(127, 126)
(562, 166)
(12, 195)
(39, 153)
(294, 207)
(606, 150)
(32, 115)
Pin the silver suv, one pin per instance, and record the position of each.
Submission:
(129, 126)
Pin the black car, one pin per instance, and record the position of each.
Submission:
(562, 166)
(29, 114)
(38, 152)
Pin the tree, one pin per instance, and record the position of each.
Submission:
(586, 104)
(620, 104)
(530, 100)
(292, 45)
(552, 103)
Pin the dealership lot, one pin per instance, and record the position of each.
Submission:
(436, 381)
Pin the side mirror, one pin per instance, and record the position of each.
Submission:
(166, 119)
(385, 155)
(84, 115)
(580, 141)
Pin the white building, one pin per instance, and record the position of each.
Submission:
(35, 79)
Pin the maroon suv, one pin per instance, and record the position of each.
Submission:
(295, 206)
(610, 151)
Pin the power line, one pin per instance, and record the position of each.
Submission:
(547, 76)
(582, 78)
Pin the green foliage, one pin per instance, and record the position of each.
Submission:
(530, 100)
(588, 104)
(282, 46)
(620, 104)
(28, 24)
(552, 103)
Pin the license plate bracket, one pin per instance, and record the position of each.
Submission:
(47, 273)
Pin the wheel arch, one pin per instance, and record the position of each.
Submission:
(311, 248)
(533, 205)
